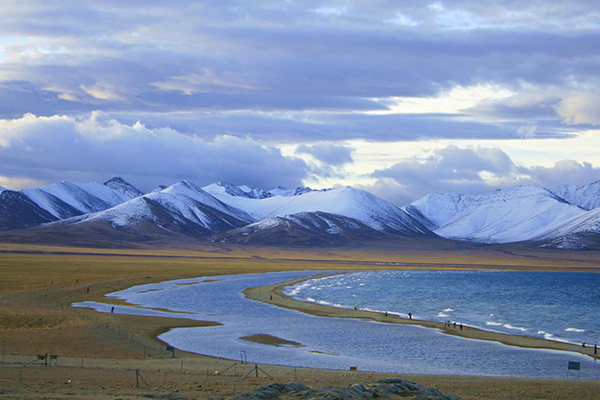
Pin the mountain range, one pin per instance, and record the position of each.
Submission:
(115, 211)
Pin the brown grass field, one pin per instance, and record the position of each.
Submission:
(98, 354)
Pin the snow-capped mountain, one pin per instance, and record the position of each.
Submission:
(584, 196)
(59, 201)
(577, 233)
(305, 228)
(509, 215)
(223, 212)
(281, 191)
(180, 208)
(237, 191)
(222, 188)
(233, 216)
(18, 211)
(346, 202)
(185, 189)
(120, 185)
(65, 199)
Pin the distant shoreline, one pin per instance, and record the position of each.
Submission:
(274, 294)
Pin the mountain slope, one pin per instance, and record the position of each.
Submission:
(347, 202)
(236, 191)
(120, 185)
(182, 208)
(584, 196)
(18, 211)
(52, 204)
(223, 212)
(66, 199)
(306, 228)
(59, 201)
(192, 191)
(577, 233)
(503, 216)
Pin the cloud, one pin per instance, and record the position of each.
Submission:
(96, 148)
(471, 171)
(158, 55)
(292, 73)
(205, 81)
(580, 108)
(448, 169)
(328, 153)
(99, 91)
(563, 172)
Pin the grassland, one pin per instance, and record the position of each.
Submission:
(37, 284)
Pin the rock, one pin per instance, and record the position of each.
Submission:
(383, 388)
(353, 392)
(170, 396)
(274, 391)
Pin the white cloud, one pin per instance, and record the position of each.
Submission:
(328, 153)
(205, 81)
(19, 183)
(449, 101)
(96, 147)
(103, 91)
(293, 73)
(527, 131)
(580, 108)
(471, 171)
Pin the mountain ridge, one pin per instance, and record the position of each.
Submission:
(565, 217)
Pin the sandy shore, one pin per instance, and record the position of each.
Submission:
(97, 354)
(273, 294)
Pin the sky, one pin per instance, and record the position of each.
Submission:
(400, 98)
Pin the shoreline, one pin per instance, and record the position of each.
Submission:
(99, 353)
(273, 294)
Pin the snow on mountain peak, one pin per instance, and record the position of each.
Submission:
(584, 196)
(230, 189)
(190, 190)
(345, 201)
(239, 191)
(587, 223)
(506, 215)
(121, 185)
(281, 191)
